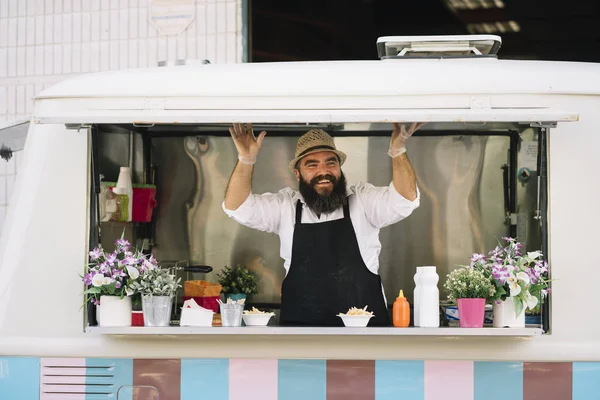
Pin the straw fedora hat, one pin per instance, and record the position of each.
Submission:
(314, 141)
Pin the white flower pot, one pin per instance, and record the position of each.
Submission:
(505, 315)
(114, 311)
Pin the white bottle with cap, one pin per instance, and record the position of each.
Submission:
(429, 297)
(125, 186)
(416, 298)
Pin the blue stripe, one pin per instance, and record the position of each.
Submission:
(586, 380)
(19, 378)
(399, 380)
(105, 376)
(204, 379)
(301, 379)
(498, 380)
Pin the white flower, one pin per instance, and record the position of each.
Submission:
(522, 276)
(128, 292)
(107, 281)
(534, 254)
(133, 272)
(531, 301)
(97, 280)
(513, 285)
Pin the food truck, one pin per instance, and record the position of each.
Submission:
(508, 149)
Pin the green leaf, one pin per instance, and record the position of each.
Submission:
(518, 306)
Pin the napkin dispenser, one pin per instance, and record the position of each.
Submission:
(194, 315)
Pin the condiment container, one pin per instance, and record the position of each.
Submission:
(429, 298)
(401, 311)
(125, 186)
(417, 297)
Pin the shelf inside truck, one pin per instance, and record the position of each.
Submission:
(344, 331)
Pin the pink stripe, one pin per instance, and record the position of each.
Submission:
(449, 380)
(252, 379)
(71, 377)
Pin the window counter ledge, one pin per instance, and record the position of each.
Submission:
(315, 331)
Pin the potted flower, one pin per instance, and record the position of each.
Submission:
(157, 287)
(108, 279)
(471, 289)
(237, 282)
(521, 281)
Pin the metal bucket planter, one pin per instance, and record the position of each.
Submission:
(157, 310)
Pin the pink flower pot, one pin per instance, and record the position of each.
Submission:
(471, 312)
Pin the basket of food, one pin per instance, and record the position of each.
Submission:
(204, 293)
(201, 289)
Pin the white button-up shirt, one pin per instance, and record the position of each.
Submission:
(371, 208)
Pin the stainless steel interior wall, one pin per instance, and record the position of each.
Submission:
(461, 211)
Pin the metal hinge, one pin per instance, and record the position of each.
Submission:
(78, 126)
(546, 125)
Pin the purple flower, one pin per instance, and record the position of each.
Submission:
(123, 245)
(477, 257)
(104, 268)
(117, 284)
(95, 254)
(508, 239)
(96, 302)
(111, 258)
(87, 280)
(518, 247)
(500, 273)
(153, 260)
(130, 260)
(533, 276)
(545, 291)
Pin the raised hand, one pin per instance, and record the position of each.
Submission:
(246, 143)
(399, 137)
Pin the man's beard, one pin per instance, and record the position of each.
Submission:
(326, 202)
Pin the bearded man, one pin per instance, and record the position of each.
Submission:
(329, 233)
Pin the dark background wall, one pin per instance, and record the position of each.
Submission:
(348, 29)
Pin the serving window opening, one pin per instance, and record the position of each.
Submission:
(478, 183)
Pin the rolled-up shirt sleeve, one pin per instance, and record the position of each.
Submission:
(384, 205)
(261, 212)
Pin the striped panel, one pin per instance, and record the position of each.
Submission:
(498, 380)
(586, 380)
(252, 379)
(62, 379)
(107, 377)
(20, 378)
(399, 380)
(448, 380)
(155, 379)
(302, 379)
(204, 379)
(350, 380)
(548, 381)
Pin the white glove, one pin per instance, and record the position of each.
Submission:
(400, 136)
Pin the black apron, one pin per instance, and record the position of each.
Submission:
(327, 276)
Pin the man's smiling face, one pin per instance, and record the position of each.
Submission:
(321, 182)
(321, 170)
